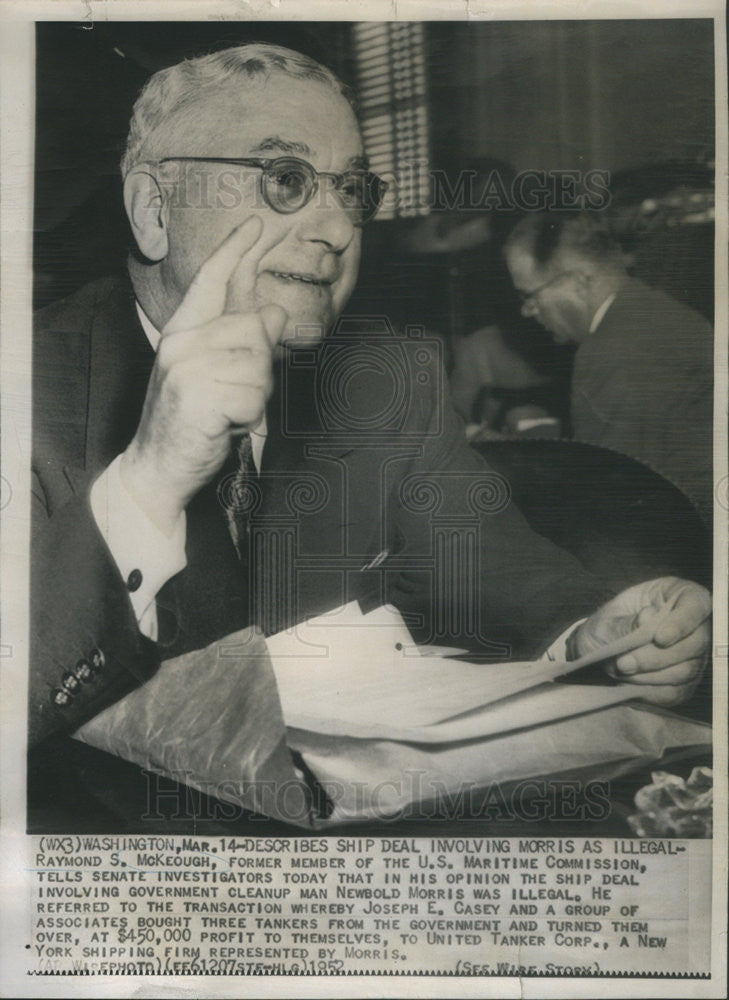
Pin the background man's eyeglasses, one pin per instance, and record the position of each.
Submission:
(288, 184)
(527, 298)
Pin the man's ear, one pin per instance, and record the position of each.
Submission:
(145, 206)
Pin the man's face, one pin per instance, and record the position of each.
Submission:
(554, 295)
(307, 261)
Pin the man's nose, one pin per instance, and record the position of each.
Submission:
(529, 309)
(327, 221)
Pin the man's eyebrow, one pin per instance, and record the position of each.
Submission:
(359, 163)
(276, 143)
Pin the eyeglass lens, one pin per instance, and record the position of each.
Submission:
(290, 184)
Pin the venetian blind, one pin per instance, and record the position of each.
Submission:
(391, 86)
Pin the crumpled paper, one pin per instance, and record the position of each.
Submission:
(211, 719)
(675, 807)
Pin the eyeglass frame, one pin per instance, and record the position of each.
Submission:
(266, 164)
(526, 297)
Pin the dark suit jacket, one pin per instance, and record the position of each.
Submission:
(643, 386)
(368, 490)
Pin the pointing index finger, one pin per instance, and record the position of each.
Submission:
(205, 299)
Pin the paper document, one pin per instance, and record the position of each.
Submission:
(349, 674)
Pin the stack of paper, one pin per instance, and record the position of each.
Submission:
(349, 674)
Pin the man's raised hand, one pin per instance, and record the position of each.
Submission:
(212, 377)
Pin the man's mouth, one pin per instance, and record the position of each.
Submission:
(305, 279)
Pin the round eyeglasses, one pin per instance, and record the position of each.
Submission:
(288, 184)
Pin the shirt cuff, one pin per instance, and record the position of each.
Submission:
(557, 651)
(145, 556)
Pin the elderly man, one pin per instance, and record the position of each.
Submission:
(246, 191)
(643, 372)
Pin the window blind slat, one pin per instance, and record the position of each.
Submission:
(391, 70)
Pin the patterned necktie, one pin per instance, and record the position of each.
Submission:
(238, 490)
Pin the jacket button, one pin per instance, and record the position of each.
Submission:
(82, 670)
(70, 682)
(60, 698)
(134, 580)
(97, 660)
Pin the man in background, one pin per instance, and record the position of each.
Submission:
(642, 382)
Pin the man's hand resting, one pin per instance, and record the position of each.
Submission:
(666, 671)
(211, 378)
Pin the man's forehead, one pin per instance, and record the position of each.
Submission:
(528, 269)
(281, 115)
